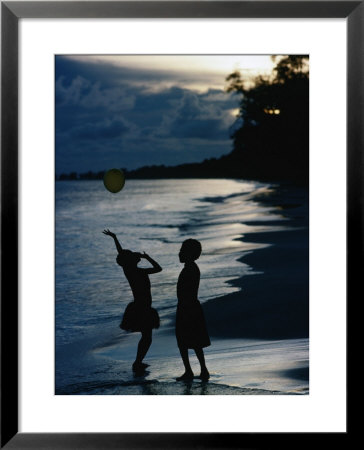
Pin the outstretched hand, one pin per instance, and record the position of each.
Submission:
(109, 233)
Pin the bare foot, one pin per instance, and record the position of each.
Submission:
(187, 376)
(204, 375)
(139, 366)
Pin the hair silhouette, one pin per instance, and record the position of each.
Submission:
(139, 316)
(191, 249)
(191, 330)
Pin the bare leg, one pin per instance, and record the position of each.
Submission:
(188, 375)
(201, 358)
(143, 347)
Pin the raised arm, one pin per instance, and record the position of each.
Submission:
(156, 267)
(113, 235)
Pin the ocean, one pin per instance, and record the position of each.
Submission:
(93, 355)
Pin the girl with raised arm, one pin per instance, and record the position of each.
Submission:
(191, 331)
(139, 314)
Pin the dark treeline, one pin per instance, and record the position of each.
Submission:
(270, 136)
(83, 176)
(273, 139)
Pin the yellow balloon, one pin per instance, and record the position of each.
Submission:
(114, 180)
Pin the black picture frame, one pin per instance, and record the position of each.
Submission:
(11, 12)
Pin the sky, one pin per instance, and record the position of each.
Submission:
(131, 111)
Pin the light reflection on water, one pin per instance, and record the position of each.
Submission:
(147, 215)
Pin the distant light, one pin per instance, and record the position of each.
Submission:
(272, 111)
(235, 112)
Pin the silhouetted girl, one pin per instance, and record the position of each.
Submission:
(139, 314)
(191, 331)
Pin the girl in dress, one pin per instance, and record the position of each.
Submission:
(191, 331)
(139, 314)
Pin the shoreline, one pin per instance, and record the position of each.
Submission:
(255, 349)
(272, 304)
(259, 334)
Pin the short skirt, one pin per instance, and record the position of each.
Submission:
(139, 318)
(191, 330)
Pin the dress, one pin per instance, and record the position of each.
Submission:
(139, 314)
(191, 330)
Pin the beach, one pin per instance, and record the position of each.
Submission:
(275, 297)
(254, 292)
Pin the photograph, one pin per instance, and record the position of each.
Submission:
(181, 224)
(181, 205)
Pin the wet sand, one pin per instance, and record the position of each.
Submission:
(272, 304)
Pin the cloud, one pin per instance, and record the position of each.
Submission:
(72, 93)
(107, 129)
(104, 117)
(84, 93)
(153, 73)
(197, 116)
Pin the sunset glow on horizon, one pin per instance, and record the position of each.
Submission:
(198, 72)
